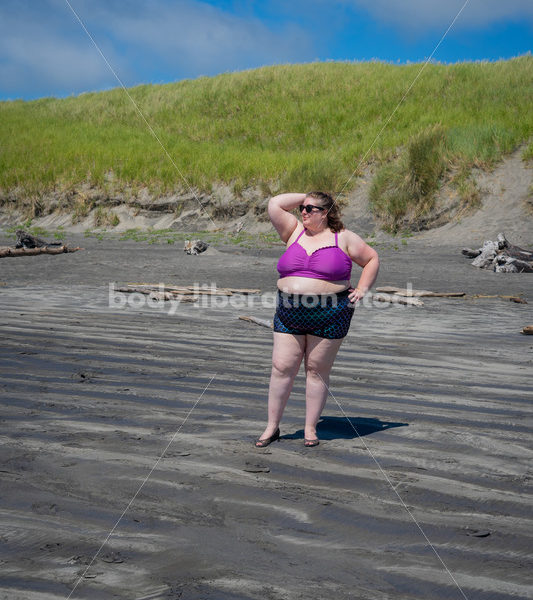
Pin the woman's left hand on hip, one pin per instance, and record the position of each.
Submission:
(355, 295)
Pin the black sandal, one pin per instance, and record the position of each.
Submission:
(311, 443)
(263, 443)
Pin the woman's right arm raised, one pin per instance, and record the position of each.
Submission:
(278, 211)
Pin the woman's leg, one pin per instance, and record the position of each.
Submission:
(320, 354)
(287, 355)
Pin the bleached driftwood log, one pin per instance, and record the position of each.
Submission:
(517, 299)
(396, 299)
(9, 251)
(194, 289)
(417, 293)
(183, 293)
(161, 295)
(262, 322)
(29, 245)
(501, 256)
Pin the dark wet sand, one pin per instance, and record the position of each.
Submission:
(432, 501)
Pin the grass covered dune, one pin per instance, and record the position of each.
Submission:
(283, 127)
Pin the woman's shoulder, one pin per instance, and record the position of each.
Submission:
(297, 230)
(347, 234)
(350, 241)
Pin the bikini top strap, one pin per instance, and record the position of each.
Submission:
(303, 230)
(336, 239)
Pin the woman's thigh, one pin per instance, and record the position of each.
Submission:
(320, 353)
(288, 351)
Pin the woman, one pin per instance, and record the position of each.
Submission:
(315, 301)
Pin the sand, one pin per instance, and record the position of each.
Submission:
(128, 469)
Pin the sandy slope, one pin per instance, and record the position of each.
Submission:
(505, 208)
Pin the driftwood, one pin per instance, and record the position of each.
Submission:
(27, 240)
(195, 289)
(244, 290)
(183, 293)
(171, 292)
(195, 247)
(29, 245)
(501, 256)
(469, 253)
(162, 294)
(9, 251)
(396, 299)
(418, 293)
(262, 322)
(158, 294)
(517, 299)
(407, 293)
(409, 296)
(527, 330)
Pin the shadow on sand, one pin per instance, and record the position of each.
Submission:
(346, 428)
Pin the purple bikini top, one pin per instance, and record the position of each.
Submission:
(330, 262)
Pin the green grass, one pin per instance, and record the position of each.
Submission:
(160, 236)
(169, 236)
(33, 229)
(405, 189)
(293, 127)
(527, 154)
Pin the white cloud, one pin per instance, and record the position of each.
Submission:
(418, 15)
(42, 53)
(44, 48)
(195, 36)
(46, 62)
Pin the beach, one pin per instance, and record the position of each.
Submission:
(128, 466)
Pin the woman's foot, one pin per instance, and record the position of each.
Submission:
(310, 437)
(311, 443)
(264, 441)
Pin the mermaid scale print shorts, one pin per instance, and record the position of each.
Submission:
(327, 315)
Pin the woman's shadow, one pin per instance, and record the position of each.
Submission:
(346, 428)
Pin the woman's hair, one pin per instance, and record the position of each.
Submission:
(334, 214)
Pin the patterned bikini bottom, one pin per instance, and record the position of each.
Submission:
(323, 315)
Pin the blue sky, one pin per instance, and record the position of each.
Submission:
(45, 52)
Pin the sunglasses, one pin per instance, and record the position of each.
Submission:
(309, 208)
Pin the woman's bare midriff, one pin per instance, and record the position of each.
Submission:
(308, 285)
